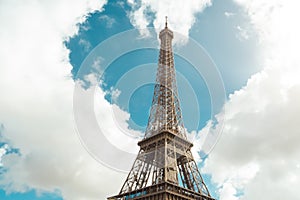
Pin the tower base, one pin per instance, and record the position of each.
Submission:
(162, 191)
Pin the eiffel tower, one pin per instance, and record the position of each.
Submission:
(164, 168)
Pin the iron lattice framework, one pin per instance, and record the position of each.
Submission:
(164, 167)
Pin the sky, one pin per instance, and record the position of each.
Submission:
(76, 82)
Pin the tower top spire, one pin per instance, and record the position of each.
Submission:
(166, 22)
(166, 34)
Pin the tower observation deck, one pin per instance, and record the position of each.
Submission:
(164, 168)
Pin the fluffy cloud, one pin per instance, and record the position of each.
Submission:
(36, 103)
(181, 14)
(259, 152)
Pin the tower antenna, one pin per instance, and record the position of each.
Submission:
(166, 21)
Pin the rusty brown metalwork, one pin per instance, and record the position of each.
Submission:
(164, 168)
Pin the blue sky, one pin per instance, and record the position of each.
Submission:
(42, 158)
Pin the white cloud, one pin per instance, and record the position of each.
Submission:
(109, 116)
(108, 20)
(36, 103)
(181, 15)
(115, 93)
(229, 14)
(85, 44)
(242, 33)
(259, 151)
(96, 69)
(3, 151)
(227, 191)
